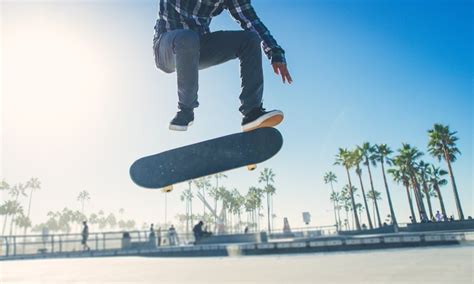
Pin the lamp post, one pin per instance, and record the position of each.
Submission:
(166, 190)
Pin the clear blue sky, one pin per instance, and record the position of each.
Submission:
(378, 71)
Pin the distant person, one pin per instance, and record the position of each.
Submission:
(152, 236)
(159, 236)
(152, 232)
(246, 230)
(198, 231)
(451, 218)
(85, 236)
(445, 218)
(438, 216)
(172, 236)
(424, 217)
(412, 220)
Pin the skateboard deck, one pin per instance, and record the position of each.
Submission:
(206, 158)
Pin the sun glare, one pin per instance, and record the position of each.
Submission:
(53, 71)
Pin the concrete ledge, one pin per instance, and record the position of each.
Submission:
(233, 239)
(463, 225)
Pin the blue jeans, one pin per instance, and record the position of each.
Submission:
(186, 52)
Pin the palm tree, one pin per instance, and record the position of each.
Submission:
(407, 158)
(382, 155)
(347, 201)
(266, 176)
(271, 190)
(214, 192)
(217, 177)
(345, 159)
(374, 196)
(253, 203)
(400, 175)
(111, 220)
(94, 219)
(442, 145)
(5, 209)
(358, 157)
(238, 203)
(83, 197)
(330, 178)
(9, 208)
(101, 220)
(337, 198)
(22, 221)
(369, 158)
(435, 178)
(226, 197)
(33, 184)
(422, 168)
(15, 192)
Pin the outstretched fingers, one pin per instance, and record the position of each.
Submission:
(282, 70)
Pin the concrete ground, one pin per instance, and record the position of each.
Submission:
(450, 264)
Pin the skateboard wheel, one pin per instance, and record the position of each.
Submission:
(251, 167)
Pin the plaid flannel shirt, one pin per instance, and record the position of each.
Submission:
(196, 15)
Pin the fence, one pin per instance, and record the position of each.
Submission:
(58, 243)
(54, 243)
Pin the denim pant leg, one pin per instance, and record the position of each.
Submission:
(219, 47)
(179, 51)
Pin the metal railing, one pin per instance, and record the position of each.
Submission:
(59, 243)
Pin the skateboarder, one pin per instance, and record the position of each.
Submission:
(184, 43)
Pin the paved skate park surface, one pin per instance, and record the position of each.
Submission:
(442, 264)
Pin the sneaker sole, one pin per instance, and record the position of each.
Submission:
(180, 127)
(268, 120)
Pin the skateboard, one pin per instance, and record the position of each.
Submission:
(205, 158)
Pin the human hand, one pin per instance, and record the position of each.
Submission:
(281, 69)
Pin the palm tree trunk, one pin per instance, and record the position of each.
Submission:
(373, 193)
(268, 212)
(191, 211)
(29, 207)
(429, 206)
(347, 218)
(271, 206)
(455, 189)
(339, 215)
(390, 204)
(419, 200)
(427, 192)
(4, 223)
(365, 201)
(204, 203)
(412, 210)
(334, 207)
(440, 197)
(373, 209)
(13, 216)
(356, 218)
